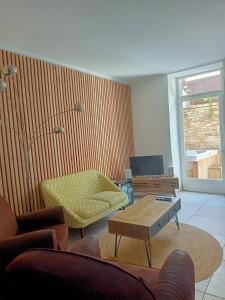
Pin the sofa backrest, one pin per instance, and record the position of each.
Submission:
(80, 185)
(8, 223)
(67, 275)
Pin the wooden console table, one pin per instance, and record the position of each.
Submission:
(155, 185)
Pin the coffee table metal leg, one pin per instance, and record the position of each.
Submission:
(117, 243)
(176, 221)
(148, 252)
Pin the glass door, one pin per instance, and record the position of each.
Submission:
(202, 131)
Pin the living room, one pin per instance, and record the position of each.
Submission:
(87, 87)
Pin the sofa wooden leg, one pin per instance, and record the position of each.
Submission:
(82, 233)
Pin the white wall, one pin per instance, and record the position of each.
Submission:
(151, 117)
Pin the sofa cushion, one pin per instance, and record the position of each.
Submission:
(113, 198)
(88, 208)
(77, 185)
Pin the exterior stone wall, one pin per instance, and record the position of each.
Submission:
(201, 125)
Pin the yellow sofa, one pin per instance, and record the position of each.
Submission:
(86, 196)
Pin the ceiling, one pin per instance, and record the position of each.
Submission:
(118, 39)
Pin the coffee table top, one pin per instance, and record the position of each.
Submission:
(139, 219)
(145, 211)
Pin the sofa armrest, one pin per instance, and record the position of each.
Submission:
(13, 246)
(88, 246)
(43, 217)
(176, 278)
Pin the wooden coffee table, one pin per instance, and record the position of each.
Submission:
(143, 220)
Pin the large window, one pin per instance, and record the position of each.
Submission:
(199, 98)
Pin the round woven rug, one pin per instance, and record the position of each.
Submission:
(203, 248)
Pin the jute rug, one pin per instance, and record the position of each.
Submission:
(203, 248)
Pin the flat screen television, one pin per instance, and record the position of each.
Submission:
(147, 165)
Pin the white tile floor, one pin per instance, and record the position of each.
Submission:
(205, 211)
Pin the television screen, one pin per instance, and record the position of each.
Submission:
(147, 165)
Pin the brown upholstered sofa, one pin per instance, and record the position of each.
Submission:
(45, 228)
(82, 274)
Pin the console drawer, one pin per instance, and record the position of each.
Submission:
(173, 211)
(159, 224)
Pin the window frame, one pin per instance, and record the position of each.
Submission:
(199, 95)
(188, 181)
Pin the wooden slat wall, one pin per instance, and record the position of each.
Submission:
(100, 138)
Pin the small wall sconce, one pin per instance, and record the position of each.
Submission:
(79, 107)
(59, 130)
(3, 85)
(8, 70)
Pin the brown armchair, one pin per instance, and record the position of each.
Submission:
(82, 274)
(45, 228)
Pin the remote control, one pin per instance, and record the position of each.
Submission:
(165, 198)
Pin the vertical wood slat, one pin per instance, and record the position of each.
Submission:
(17, 158)
(20, 122)
(100, 138)
(36, 96)
(21, 98)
